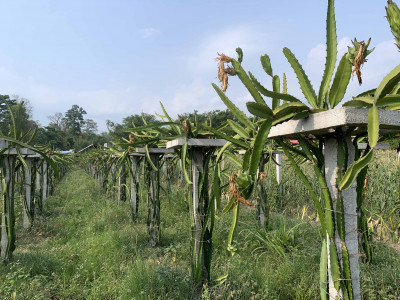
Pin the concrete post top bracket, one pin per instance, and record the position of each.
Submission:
(155, 150)
(324, 122)
(363, 146)
(22, 151)
(135, 154)
(178, 143)
(3, 144)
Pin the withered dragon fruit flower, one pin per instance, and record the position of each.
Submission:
(393, 17)
(222, 71)
(357, 56)
(130, 141)
(234, 191)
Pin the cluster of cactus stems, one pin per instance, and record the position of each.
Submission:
(195, 166)
(337, 258)
(29, 177)
(339, 264)
(35, 177)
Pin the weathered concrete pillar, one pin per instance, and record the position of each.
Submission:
(134, 188)
(8, 216)
(154, 202)
(201, 151)
(4, 237)
(27, 210)
(198, 213)
(262, 207)
(44, 187)
(38, 190)
(350, 215)
(278, 159)
(122, 185)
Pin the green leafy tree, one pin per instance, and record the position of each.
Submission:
(21, 110)
(4, 100)
(139, 120)
(74, 120)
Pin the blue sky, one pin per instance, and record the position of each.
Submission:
(116, 58)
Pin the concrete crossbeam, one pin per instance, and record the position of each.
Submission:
(155, 150)
(325, 122)
(178, 143)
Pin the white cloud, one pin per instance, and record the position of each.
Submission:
(148, 32)
(47, 100)
(194, 96)
(250, 38)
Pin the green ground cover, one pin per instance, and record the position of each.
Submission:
(85, 246)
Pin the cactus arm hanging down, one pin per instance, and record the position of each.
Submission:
(304, 82)
(373, 126)
(354, 169)
(259, 143)
(331, 53)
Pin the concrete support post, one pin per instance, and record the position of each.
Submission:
(134, 188)
(262, 207)
(197, 167)
(38, 191)
(8, 216)
(44, 188)
(278, 159)
(154, 202)
(350, 216)
(122, 184)
(27, 207)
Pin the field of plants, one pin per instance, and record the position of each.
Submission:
(85, 246)
(297, 201)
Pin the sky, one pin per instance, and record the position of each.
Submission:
(116, 58)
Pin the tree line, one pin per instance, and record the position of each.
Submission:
(71, 130)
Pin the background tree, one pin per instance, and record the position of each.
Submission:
(74, 119)
(90, 127)
(22, 111)
(57, 121)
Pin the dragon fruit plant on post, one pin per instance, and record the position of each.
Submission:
(328, 137)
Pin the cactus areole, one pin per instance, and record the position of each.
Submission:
(338, 131)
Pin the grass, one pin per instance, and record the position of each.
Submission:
(85, 246)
